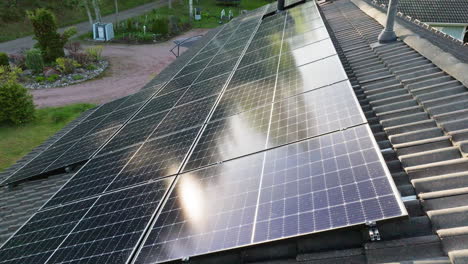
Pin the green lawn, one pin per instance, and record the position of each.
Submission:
(66, 14)
(17, 141)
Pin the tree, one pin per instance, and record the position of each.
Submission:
(85, 4)
(169, 3)
(116, 4)
(49, 41)
(97, 10)
(191, 9)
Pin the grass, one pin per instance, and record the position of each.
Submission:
(66, 15)
(17, 141)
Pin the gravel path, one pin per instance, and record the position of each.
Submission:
(84, 27)
(131, 67)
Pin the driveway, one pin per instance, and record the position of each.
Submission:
(131, 67)
(82, 28)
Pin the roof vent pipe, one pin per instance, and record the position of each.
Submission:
(280, 5)
(388, 34)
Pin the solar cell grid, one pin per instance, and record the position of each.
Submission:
(109, 232)
(204, 89)
(260, 54)
(137, 98)
(263, 42)
(79, 131)
(209, 210)
(82, 150)
(93, 178)
(134, 132)
(106, 108)
(157, 158)
(160, 103)
(294, 30)
(240, 42)
(307, 54)
(232, 137)
(42, 234)
(38, 164)
(185, 116)
(245, 98)
(314, 113)
(255, 72)
(217, 69)
(328, 182)
(228, 55)
(116, 118)
(307, 38)
(180, 82)
(300, 79)
(199, 65)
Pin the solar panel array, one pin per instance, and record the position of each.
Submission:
(258, 138)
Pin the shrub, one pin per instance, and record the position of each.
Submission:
(73, 46)
(52, 78)
(40, 79)
(81, 57)
(49, 41)
(77, 77)
(34, 60)
(17, 104)
(174, 25)
(66, 65)
(9, 74)
(95, 52)
(4, 59)
(160, 26)
(18, 60)
(91, 67)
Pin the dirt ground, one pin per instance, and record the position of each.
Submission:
(131, 67)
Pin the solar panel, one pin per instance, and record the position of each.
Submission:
(157, 158)
(93, 178)
(306, 38)
(307, 54)
(199, 65)
(134, 132)
(284, 192)
(111, 229)
(245, 97)
(106, 108)
(255, 72)
(161, 103)
(43, 233)
(204, 89)
(185, 116)
(217, 69)
(231, 137)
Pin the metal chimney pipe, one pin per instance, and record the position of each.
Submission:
(280, 5)
(388, 34)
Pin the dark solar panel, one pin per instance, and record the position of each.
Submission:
(185, 116)
(328, 182)
(204, 89)
(231, 137)
(245, 97)
(106, 108)
(180, 82)
(254, 72)
(314, 113)
(134, 132)
(161, 103)
(157, 158)
(217, 69)
(260, 54)
(43, 233)
(199, 65)
(111, 229)
(138, 98)
(209, 210)
(93, 178)
(80, 130)
(116, 118)
(307, 38)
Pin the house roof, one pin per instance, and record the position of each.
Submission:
(434, 11)
(418, 114)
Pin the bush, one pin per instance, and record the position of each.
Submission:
(18, 60)
(9, 74)
(40, 79)
(4, 60)
(53, 78)
(95, 52)
(174, 23)
(81, 57)
(73, 46)
(17, 104)
(49, 41)
(78, 77)
(160, 26)
(66, 65)
(34, 60)
(91, 67)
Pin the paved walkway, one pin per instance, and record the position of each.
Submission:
(131, 67)
(82, 28)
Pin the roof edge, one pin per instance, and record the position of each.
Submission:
(427, 43)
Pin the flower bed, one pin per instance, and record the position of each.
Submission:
(34, 81)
